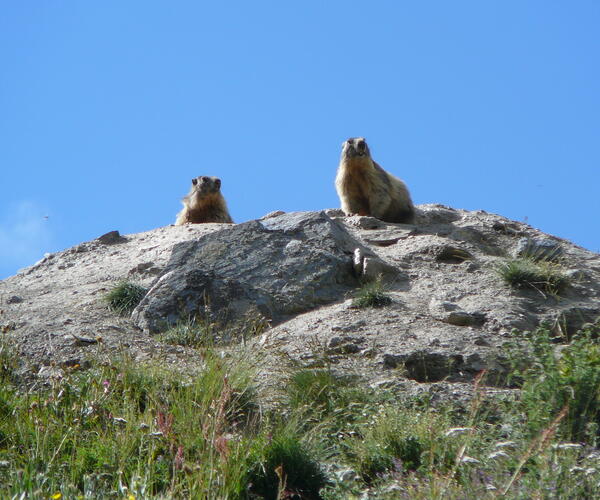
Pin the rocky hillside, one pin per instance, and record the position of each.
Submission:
(449, 317)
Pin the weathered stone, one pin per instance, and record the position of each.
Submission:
(111, 238)
(389, 237)
(370, 268)
(278, 267)
(343, 345)
(451, 313)
(363, 222)
(451, 254)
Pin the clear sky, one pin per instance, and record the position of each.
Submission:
(108, 109)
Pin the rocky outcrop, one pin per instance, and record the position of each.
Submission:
(450, 314)
(277, 267)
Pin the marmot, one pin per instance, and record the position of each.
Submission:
(204, 203)
(365, 188)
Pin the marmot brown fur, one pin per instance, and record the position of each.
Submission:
(204, 203)
(365, 188)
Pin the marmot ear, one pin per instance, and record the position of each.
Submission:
(218, 183)
(194, 181)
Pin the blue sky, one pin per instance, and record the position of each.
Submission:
(108, 109)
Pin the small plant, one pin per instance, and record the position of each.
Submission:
(401, 441)
(372, 294)
(543, 275)
(191, 332)
(8, 360)
(124, 297)
(286, 469)
(551, 382)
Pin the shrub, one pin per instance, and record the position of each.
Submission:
(124, 297)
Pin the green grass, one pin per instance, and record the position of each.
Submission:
(200, 332)
(191, 332)
(372, 294)
(544, 276)
(124, 297)
(551, 381)
(126, 430)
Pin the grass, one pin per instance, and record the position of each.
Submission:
(543, 275)
(191, 332)
(124, 297)
(200, 332)
(372, 294)
(125, 430)
(551, 381)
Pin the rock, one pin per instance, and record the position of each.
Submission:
(111, 238)
(14, 299)
(363, 222)
(148, 268)
(436, 214)
(370, 268)
(539, 249)
(343, 345)
(425, 366)
(275, 213)
(451, 313)
(450, 254)
(278, 267)
(389, 237)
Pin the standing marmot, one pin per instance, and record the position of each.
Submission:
(204, 203)
(365, 188)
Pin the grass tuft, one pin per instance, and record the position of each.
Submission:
(124, 297)
(191, 333)
(285, 468)
(372, 294)
(551, 381)
(544, 276)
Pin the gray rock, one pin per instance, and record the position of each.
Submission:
(451, 313)
(278, 267)
(14, 299)
(111, 238)
(363, 222)
(371, 268)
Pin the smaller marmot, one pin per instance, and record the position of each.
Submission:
(365, 188)
(204, 203)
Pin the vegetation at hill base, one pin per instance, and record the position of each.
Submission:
(128, 430)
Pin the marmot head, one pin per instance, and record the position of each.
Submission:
(206, 185)
(355, 147)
